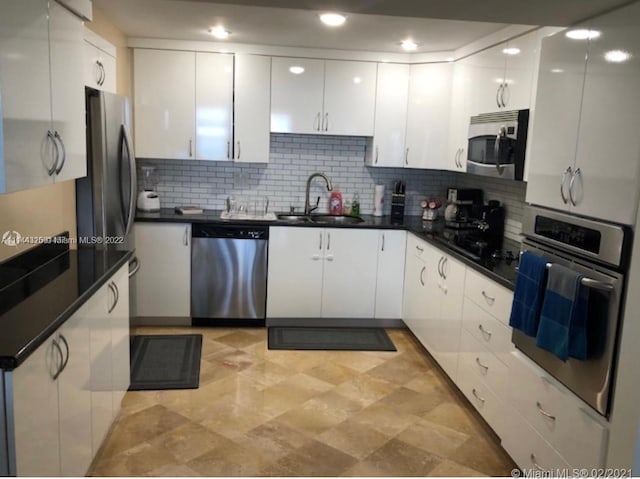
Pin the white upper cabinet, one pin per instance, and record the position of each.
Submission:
(521, 56)
(608, 155)
(164, 99)
(252, 107)
(99, 62)
(392, 94)
(461, 97)
(428, 116)
(487, 72)
(322, 97)
(349, 98)
(42, 134)
(297, 89)
(214, 106)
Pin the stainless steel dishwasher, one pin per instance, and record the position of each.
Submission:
(228, 275)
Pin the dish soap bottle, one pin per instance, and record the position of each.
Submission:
(355, 205)
(335, 202)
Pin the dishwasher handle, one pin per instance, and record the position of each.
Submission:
(206, 230)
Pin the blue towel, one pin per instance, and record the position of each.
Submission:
(563, 322)
(527, 297)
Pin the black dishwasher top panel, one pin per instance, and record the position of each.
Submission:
(205, 230)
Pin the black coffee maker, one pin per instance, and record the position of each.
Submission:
(488, 221)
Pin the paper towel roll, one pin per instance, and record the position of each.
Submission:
(378, 200)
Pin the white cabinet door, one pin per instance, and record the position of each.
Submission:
(119, 321)
(35, 410)
(101, 382)
(109, 66)
(297, 89)
(521, 54)
(296, 257)
(164, 102)
(349, 280)
(487, 72)
(608, 141)
(214, 103)
(252, 108)
(461, 96)
(557, 116)
(99, 68)
(163, 283)
(392, 93)
(449, 323)
(349, 98)
(26, 154)
(414, 283)
(390, 276)
(74, 394)
(66, 40)
(428, 116)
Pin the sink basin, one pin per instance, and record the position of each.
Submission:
(294, 218)
(336, 219)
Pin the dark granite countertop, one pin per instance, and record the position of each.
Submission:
(36, 303)
(501, 271)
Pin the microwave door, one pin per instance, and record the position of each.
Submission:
(490, 155)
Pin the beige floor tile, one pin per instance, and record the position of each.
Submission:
(353, 438)
(235, 360)
(239, 339)
(365, 389)
(455, 416)
(189, 441)
(384, 419)
(230, 460)
(317, 459)
(173, 470)
(273, 439)
(267, 373)
(299, 387)
(232, 420)
(433, 438)
(449, 468)
(136, 461)
(397, 458)
(332, 373)
(412, 402)
(356, 360)
(399, 370)
(484, 455)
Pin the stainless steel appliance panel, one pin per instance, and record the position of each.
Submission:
(228, 278)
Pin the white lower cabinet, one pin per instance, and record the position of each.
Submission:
(163, 284)
(390, 276)
(487, 403)
(55, 393)
(323, 272)
(415, 298)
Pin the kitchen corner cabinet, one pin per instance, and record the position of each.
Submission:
(392, 246)
(163, 283)
(53, 404)
(390, 124)
(323, 96)
(252, 108)
(99, 62)
(585, 143)
(41, 86)
(428, 114)
(322, 272)
(461, 97)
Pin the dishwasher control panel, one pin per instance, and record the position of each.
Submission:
(229, 231)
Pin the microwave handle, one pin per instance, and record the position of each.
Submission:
(496, 149)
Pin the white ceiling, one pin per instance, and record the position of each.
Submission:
(372, 25)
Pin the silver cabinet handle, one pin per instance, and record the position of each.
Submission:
(419, 249)
(498, 95)
(114, 290)
(316, 122)
(136, 268)
(185, 238)
(320, 246)
(505, 89)
(455, 158)
(104, 74)
(191, 147)
(479, 398)
(543, 412)
(486, 334)
(382, 241)
(422, 275)
(440, 266)
(326, 122)
(576, 173)
(535, 464)
(66, 346)
(239, 150)
(445, 261)
(376, 162)
(460, 158)
(562, 182)
(328, 241)
(57, 373)
(228, 150)
(101, 73)
(56, 153)
(64, 152)
(488, 298)
(406, 156)
(486, 368)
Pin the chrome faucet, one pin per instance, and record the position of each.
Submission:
(307, 207)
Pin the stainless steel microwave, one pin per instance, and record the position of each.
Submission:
(497, 143)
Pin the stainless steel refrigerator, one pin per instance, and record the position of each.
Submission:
(106, 197)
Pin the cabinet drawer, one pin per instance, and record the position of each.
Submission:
(475, 356)
(562, 419)
(483, 399)
(489, 295)
(528, 449)
(487, 330)
(417, 247)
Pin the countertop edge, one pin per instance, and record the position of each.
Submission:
(10, 363)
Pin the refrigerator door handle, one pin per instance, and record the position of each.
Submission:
(128, 145)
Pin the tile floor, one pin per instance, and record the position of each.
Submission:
(302, 413)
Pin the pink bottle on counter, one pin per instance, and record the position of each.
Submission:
(335, 202)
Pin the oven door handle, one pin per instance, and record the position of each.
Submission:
(496, 149)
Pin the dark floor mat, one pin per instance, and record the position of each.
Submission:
(348, 339)
(165, 361)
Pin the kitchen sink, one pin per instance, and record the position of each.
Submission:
(295, 218)
(336, 219)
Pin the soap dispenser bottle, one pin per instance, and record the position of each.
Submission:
(335, 201)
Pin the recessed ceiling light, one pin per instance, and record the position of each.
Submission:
(617, 56)
(511, 51)
(357, 80)
(219, 32)
(557, 70)
(450, 59)
(332, 19)
(296, 70)
(582, 34)
(409, 45)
